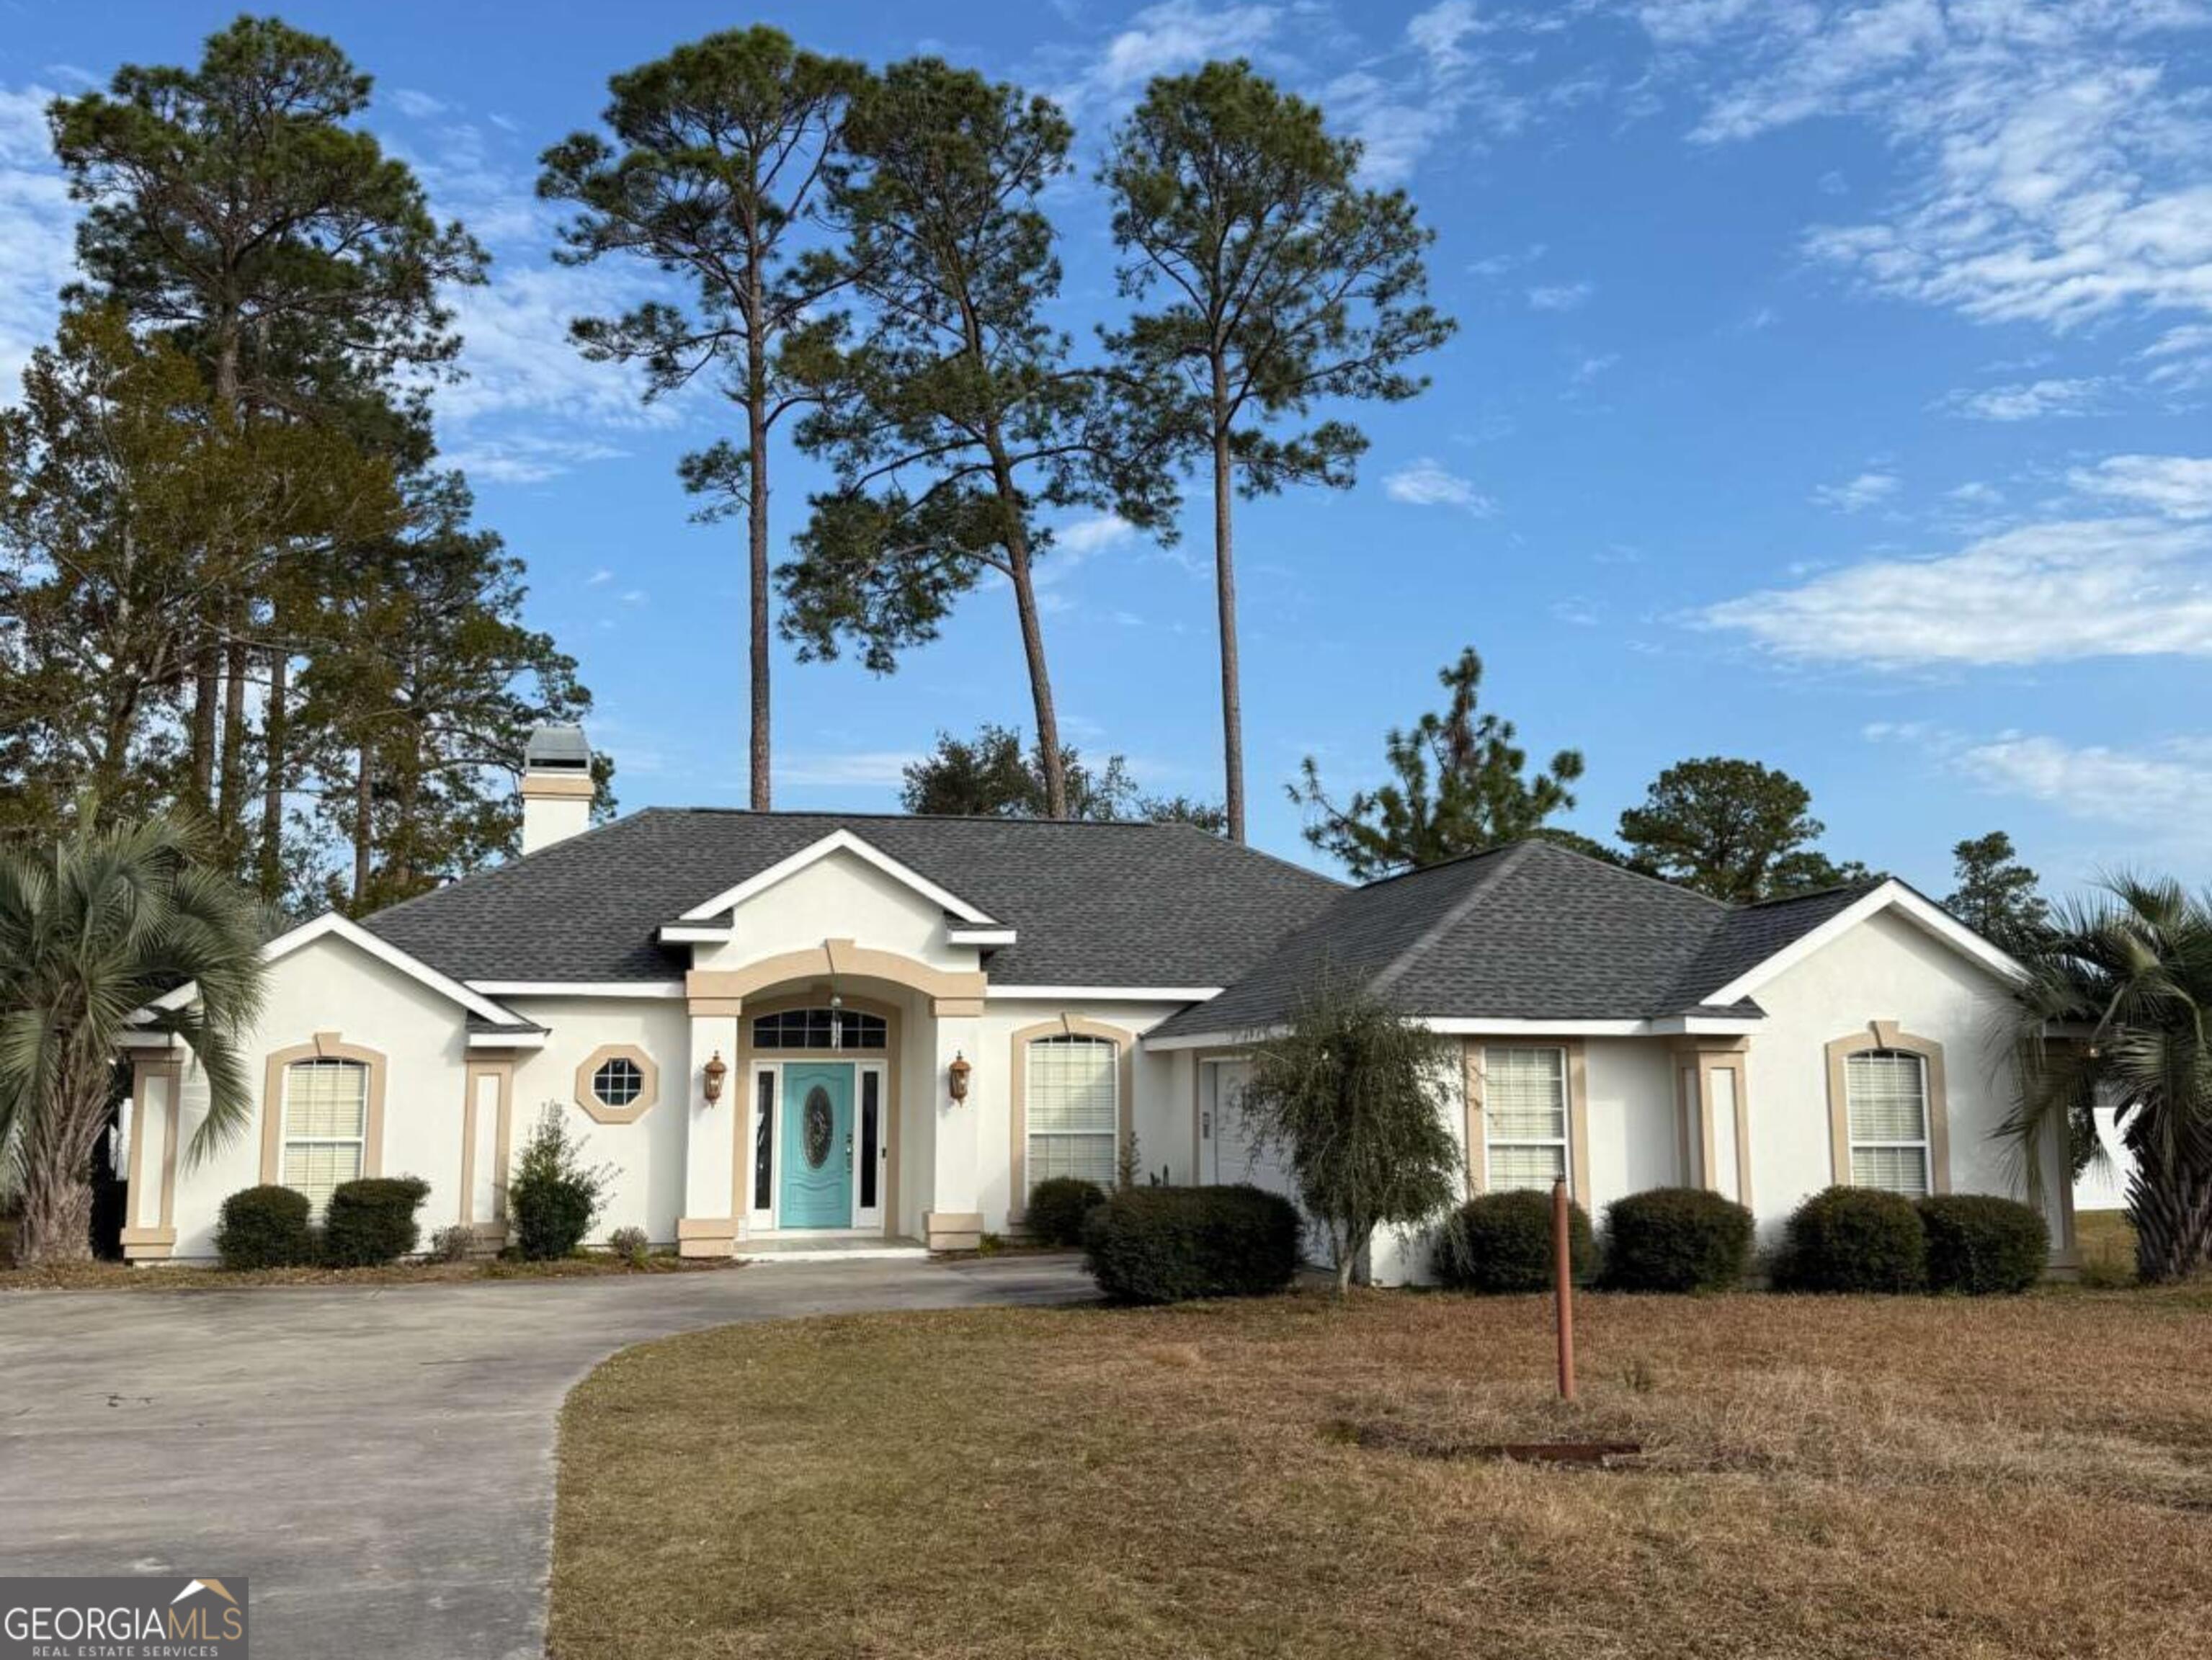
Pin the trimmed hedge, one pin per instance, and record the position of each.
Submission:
(1502, 1241)
(1167, 1244)
(1058, 1206)
(1676, 1239)
(1981, 1246)
(1854, 1239)
(264, 1227)
(371, 1221)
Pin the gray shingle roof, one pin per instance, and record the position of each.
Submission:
(1529, 930)
(1092, 903)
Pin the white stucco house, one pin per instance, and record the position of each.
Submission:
(794, 1027)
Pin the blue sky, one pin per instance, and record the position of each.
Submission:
(1831, 389)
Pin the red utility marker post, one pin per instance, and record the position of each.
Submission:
(1563, 1283)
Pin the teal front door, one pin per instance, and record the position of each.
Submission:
(818, 1146)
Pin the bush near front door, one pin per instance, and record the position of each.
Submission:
(1170, 1244)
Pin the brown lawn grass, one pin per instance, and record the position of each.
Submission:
(1865, 1477)
(2107, 1240)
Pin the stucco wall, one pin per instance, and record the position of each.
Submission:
(1160, 1115)
(330, 986)
(646, 1155)
(1886, 969)
(840, 896)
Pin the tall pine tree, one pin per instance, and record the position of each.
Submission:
(1276, 282)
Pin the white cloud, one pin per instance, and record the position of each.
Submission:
(2027, 400)
(523, 458)
(1439, 32)
(2180, 359)
(2043, 593)
(1589, 368)
(1497, 264)
(1560, 296)
(2163, 787)
(2178, 486)
(1175, 37)
(599, 578)
(2053, 157)
(419, 106)
(1429, 483)
(1868, 489)
(1085, 537)
(1976, 494)
(37, 228)
(871, 768)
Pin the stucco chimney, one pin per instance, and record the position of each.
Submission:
(557, 786)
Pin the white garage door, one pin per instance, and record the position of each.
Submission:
(1236, 1160)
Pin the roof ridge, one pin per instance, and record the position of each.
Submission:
(1643, 876)
(1866, 884)
(1391, 971)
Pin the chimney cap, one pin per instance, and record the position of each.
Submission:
(557, 749)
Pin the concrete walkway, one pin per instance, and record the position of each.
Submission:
(378, 1463)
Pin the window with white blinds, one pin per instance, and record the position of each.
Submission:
(1885, 1095)
(325, 1126)
(1072, 1100)
(1524, 1116)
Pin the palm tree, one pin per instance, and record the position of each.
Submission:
(92, 930)
(2117, 1012)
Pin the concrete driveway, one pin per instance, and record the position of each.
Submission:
(379, 1463)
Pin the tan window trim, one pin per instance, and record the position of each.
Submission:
(588, 1094)
(1886, 1035)
(1017, 1088)
(1477, 1134)
(325, 1046)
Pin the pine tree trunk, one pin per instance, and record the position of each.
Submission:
(757, 536)
(1047, 723)
(271, 873)
(207, 692)
(1224, 588)
(1025, 606)
(230, 798)
(2172, 1210)
(364, 801)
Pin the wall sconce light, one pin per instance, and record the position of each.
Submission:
(956, 1076)
(715, 1071)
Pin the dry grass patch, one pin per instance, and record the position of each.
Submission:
(2031, 1476)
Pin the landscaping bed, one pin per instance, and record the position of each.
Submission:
(1818, 1476)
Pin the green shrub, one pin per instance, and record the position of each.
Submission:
(371, 1221)
(1502, 1241)
(632, 1245)
(264, 1227)
(456, 1243)
(553, 1197)
(1166, 1244)
(1854, 1239)
(1676, 1239)
(1981, 1246)
(1058, 1206)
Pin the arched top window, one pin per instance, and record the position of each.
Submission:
(1073, 1096)
(1885, 1096)
(821, 1028)
(325, 1136)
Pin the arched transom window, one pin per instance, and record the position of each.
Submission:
(824, 1028)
